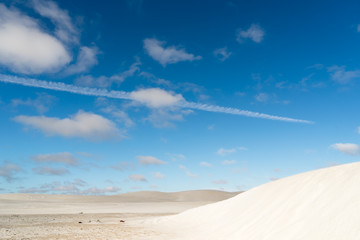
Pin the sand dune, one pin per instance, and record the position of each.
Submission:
(133, 202)
(321, 204)
(185, 196)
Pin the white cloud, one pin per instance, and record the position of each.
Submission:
(347, 148)
(167, 55)
(85, 125)
(340, 75)
(42, 103)
(159, 175)
(51, 171)
(65, 30)
(8, 170)
(222, 53)
(63, 157)
(25, 47)
(85, 60)
(255, 33)
(156, 97)
(149, 160)
(206, 164)
(138, 177)
(358, 27)
(228, 162)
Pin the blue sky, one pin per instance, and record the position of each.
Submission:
(117, 96)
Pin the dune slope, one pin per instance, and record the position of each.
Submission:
(321, 204)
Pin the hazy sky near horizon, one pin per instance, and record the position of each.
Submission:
(116, 96)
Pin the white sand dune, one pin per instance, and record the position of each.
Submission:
(317, 205)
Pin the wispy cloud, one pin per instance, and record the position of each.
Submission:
(59, 171)
(222, 53)
(254, 33)
(71, 187)
(65, 29)
(167, 55)
(63, 157)
(262, 97)
(107, 81)
(224, 151)
(86, 59)
(228, 162)
(149, 160)
(164, 117)
(8, 171)
(100, 191)
(159, 175)
(120, 116)
(42, 102)
(347, 148)
(339, 75)
(138, 178)
(220, 182)
(206, 164)
(187, 172)
(126, 95)
(123, 166)
(176, 157)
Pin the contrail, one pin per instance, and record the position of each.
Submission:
(126, 95)
(235, 111)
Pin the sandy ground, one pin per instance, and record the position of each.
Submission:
(78, 226)
(125, 216)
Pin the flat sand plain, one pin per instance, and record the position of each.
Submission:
(124, 216)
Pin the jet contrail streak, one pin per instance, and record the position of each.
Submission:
(57, 86)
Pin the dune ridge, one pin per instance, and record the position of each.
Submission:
(320, 204)
(140, 196)
(135, 202)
